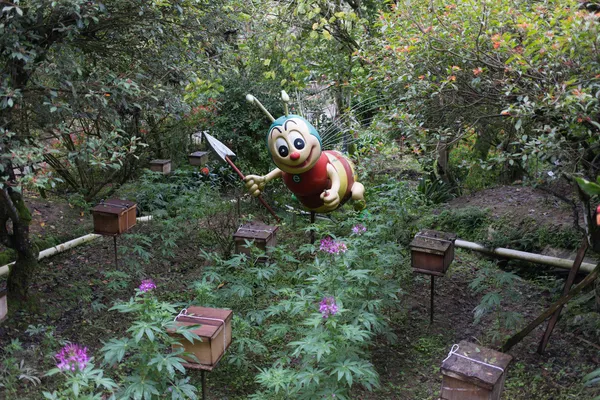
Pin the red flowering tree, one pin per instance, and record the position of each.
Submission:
(513, 86)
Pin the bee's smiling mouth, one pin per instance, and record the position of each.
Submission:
(304, 163)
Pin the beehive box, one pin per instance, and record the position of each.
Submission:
(114, 216)
(215, 331)
(162, 166)
(3, 302)
(260, 234)
(474, 373)
(198, 158)
(432, 252)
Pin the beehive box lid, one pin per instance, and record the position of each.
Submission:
(479, 372)
(255, 231)
(208, 318)
(199, 154)
(160, 162)
(113, 206)
(430, 245)
(451, 237)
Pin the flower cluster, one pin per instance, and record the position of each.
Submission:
(72, 356)
(359, 229)
(328, 307)
(332, 246)
(147, 285)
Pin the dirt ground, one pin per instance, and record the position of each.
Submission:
(518, 203)
(55, 221)
(410, 368)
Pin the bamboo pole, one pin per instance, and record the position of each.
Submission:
(522, 255)
(66, 246)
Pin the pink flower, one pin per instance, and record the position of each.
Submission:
(328, 307)
(331, 246)
(72, 357)
(147, 285)
(359, 229)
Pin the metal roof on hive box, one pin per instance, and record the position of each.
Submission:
(476, 364)
(113, 206)
(255, 231)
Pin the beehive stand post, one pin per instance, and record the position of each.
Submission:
(115, 246)
(312, 232)
(432, 296)
(566, 289)
(203, 375)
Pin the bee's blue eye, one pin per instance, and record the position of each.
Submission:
(299, 144)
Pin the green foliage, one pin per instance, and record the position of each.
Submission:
(468, 223)
(149, 359)
(323, 356)
(14, 372)
(499, 287)
(592, 379)
(79, 92)
(435, 190)
(510, 86)
(153, 370)
(528, 235)
(591, 188)
(89, 383)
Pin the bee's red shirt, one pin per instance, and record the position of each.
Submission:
(309, 185)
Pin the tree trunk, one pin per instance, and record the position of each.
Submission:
(20, 276)
(13, 208)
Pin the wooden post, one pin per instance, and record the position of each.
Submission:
(570, 279)
(203, 375)
(312, 221)
(115, 245)
(517, 337)
(432, 296)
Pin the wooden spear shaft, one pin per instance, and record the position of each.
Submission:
(241, 175)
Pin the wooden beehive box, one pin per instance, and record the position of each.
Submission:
(479, 376)
(3, 302)
(114, 216)
(162, 166)
(432, 252)
(215, 331)
(261, 234)
(198, 158)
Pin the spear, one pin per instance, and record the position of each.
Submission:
(225, 153)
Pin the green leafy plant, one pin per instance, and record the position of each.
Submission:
(435, 190)
(592, 379)
(497, 287)
(14, 372)
(81, 383)
(153, 369)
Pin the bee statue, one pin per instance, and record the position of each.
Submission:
(321, 180)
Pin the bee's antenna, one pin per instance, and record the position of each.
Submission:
(286, 99)
(254, 100)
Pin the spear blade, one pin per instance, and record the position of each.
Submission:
(222, 151)
(226, 154)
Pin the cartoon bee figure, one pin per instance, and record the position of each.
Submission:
(321, 180)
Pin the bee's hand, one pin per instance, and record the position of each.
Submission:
(330, 198)
(255, 184)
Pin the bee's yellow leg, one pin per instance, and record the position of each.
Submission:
(358, 195)
(358, 191)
